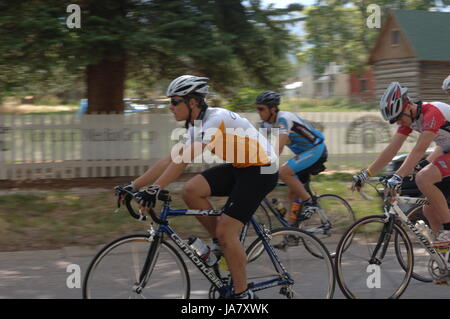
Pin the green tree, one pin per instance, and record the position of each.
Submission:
(148, 42)
(336, 30)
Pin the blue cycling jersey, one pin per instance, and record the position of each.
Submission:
(302, 136)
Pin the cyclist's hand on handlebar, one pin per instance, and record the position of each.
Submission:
(147, 198)
(122, 191)
(393, 185)
(359, 180)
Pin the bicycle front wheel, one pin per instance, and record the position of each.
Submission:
(362, 273)
(313, 277)
(116, 269)
(329, 224)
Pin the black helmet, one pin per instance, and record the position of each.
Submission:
(269, 98)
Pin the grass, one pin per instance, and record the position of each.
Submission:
(60, 218)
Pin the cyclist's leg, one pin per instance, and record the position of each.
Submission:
(216, 181)
(296, 188)
(435, 222)
(426, 180)
(228, 230)
(301, 162)
(250, 188)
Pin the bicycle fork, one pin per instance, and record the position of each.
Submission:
(149, 264)
(383, 242)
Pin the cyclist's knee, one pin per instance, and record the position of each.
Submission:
(286, 171)
(422, 178)
(227, 232)
(195, 188)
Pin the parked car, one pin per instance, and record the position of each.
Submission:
(131, 105)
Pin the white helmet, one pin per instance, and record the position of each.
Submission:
(391, 103)
(446, 84)
(186, 84)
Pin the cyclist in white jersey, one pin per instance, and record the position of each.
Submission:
(243, 177)
(432, 121)
(446, 86)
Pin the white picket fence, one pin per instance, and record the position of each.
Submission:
(71, 146)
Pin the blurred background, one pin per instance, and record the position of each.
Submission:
(82, 90)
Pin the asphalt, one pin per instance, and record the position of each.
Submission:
(45, 275)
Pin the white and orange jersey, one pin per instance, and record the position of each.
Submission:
(433, 117)
(232, 138)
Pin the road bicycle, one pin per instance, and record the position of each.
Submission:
(328, 223)
(378, 262)
(150, 266)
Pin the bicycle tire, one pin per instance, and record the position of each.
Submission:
(132, 250)
(313, 277)
(339, 213)
(357, 276)
(421, 256)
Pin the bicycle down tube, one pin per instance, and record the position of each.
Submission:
(423, 240)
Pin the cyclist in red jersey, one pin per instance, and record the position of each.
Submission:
(432, 121)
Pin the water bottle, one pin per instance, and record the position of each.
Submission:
(202, 250)
(423, 228)
(223, 265)
(296, 207)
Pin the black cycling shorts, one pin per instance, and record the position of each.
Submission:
(246, 188)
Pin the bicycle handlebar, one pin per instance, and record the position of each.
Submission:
(163, 195)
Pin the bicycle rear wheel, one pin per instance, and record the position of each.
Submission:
(116, 269)
(421, 256)
(313, 277)
(360, 273)
(328, 225)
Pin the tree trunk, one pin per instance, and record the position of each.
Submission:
(106, 85)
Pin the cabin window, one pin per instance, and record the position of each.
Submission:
(363, 85)
(395, 37)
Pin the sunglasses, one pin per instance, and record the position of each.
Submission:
(175, 102)
(260, 108)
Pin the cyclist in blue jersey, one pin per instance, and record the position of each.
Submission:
(302, 139)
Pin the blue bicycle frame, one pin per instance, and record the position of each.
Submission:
(210, 274)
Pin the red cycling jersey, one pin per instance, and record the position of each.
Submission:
(434, 117)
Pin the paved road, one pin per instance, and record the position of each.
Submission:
(43, 274)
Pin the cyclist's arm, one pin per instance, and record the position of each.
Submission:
(435, 154)
(282, 140)
(179, 163)
(388, 153)
(424, 141)
(153, 173)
